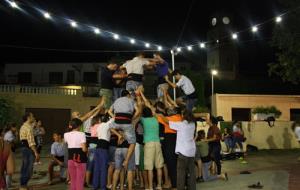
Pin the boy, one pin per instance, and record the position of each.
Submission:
(57, 157)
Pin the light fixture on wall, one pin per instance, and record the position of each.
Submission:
(271, 121)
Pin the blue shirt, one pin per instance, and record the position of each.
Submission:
(57, 149)
(162, 69)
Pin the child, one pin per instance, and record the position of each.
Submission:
(57, 153)
(186, 150)
(77, 156)
(206, 160)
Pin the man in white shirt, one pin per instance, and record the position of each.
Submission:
(186, 150)
(186, 85)
(135, 71)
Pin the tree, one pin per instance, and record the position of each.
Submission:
(9, 111)
(287, 43)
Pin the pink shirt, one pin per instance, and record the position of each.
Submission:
(74, 139)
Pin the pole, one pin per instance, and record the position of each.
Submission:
(173, 68)
(212, 92)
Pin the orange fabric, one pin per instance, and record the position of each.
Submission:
(166, 125)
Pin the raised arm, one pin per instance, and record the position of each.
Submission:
(94, 111)
(147, 103)
(168, 101)
(173, 85)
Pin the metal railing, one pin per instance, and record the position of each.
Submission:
(40, 90)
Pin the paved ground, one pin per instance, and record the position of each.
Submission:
(275, 170)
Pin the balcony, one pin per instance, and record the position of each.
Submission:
(47, 90)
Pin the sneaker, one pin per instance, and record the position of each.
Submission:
(35, 163)
(39, 163)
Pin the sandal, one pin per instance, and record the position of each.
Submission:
(245, 172)
(256, 186)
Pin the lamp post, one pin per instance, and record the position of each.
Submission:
(213, 73)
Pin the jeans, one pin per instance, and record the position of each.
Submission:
(117, 93)
(205, 172)
(120, 156)
(229, 142)
(215, 152)
(90, 163)
(237, 140)
(129, 133)
(186, 165)
(27, 166)
(100, 168)
(190, 104)
(107, 93)
(77, 172)
(131, 85)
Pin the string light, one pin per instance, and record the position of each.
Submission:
(202, 45)
(254, 29)
(116, 36)
(96, 31)
(132, 41)
(278, 19)
(47, 15)
(13, 4)
(234, 36)
(73, 24)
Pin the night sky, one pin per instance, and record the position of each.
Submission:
(154, 21)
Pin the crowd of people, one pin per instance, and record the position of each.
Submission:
(126, 139)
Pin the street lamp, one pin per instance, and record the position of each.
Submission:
(213, 73)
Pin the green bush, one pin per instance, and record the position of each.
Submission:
(267, 110)
(9, 111)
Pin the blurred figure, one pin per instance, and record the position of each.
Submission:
(38, 132)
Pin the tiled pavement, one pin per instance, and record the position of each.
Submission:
(276, 170)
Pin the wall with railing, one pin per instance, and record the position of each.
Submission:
(64, 91)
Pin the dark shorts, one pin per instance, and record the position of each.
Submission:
(111, 154)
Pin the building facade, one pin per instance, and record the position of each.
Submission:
(239, 106)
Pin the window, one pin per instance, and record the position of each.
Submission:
(55, 77)
(241, 114)
(90, 77)
(24, 78)
(70, 77)
(294, 114)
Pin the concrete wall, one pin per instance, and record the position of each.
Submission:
(280, 136)
(259, 134)
(74, 103)
(225, 102)
(40, 71)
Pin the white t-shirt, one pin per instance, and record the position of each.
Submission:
(103, 131)
(186, 85)
(9, 136)
(185, 143)
(74, 139)
(136, 65)
(297, 132)
(87, 125)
